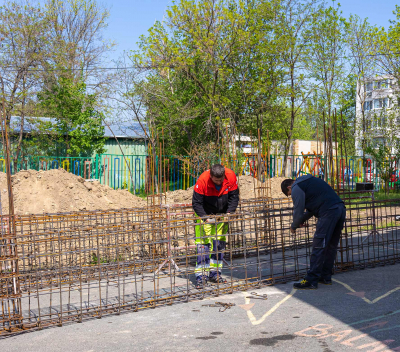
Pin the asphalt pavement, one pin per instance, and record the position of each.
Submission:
(359, 312)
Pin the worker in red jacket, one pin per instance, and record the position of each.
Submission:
(216, 192)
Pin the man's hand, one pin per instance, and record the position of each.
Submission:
(292, 231)
(211, 220)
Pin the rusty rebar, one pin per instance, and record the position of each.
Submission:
(79, 265)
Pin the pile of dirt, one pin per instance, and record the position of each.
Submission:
(249, 187)
(180, 196)
(246, 186)
(57, 190)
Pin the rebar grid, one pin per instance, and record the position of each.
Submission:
(75, 266)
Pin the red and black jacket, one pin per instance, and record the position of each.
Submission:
(207, 200)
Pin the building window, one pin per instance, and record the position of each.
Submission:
(380, 122)
(368, 105)
(386, 102)
(385, 83)
(381, 84)
(381, 103)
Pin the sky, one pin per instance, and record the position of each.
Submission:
(131, 18)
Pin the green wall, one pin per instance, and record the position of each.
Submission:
(129, 146)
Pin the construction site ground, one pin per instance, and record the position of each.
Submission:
(54, 191)
(359, 312)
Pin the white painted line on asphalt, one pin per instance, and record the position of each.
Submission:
(361, 294)
(251, 316)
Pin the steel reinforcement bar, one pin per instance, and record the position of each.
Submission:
(75, 266)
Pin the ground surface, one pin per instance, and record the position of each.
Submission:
(359, 311)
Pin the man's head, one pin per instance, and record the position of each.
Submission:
(286, 187)
(217, 173)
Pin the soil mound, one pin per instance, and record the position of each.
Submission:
(180, 196)
(57, 190)
(247, 185)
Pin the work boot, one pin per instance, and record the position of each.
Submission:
(325, 281)
(217, 279)
(304, 285)
(201, 281)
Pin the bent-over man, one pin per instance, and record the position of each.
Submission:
(216, 192)
(320, 200)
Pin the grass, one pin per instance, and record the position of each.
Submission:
(142, 194)
(379, 196)
(94, 260)
(382, 196)
(382, 226)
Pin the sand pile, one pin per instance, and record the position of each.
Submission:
(57, 190)
(246, 186)
(54, 191)
(180, 196)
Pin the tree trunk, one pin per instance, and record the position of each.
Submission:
(292, 117)
(259, 169)
(67, 144)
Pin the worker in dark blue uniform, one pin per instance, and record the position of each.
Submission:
(314, 197)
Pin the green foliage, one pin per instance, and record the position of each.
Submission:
(42, 139)
(347, 117)
(24, 33)
(212, 63)
(95, 260)
(255, 64)
(38, 40)
(78, 125)
(327, 49)
(386, 158)
(388, 45)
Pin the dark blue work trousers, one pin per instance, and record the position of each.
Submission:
(325, 243)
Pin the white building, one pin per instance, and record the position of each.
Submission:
(376, 98)
(248, 145)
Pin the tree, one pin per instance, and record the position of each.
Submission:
(361, 44)
(24, 33)
(126, 93)
(383, 141)
(40, 45)
(78, 125)
(327, 55)
(76, 31)
(347, 119)
(387, 44)
(209, 63)
(386, 160)
(293, 19)
(327, 67)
